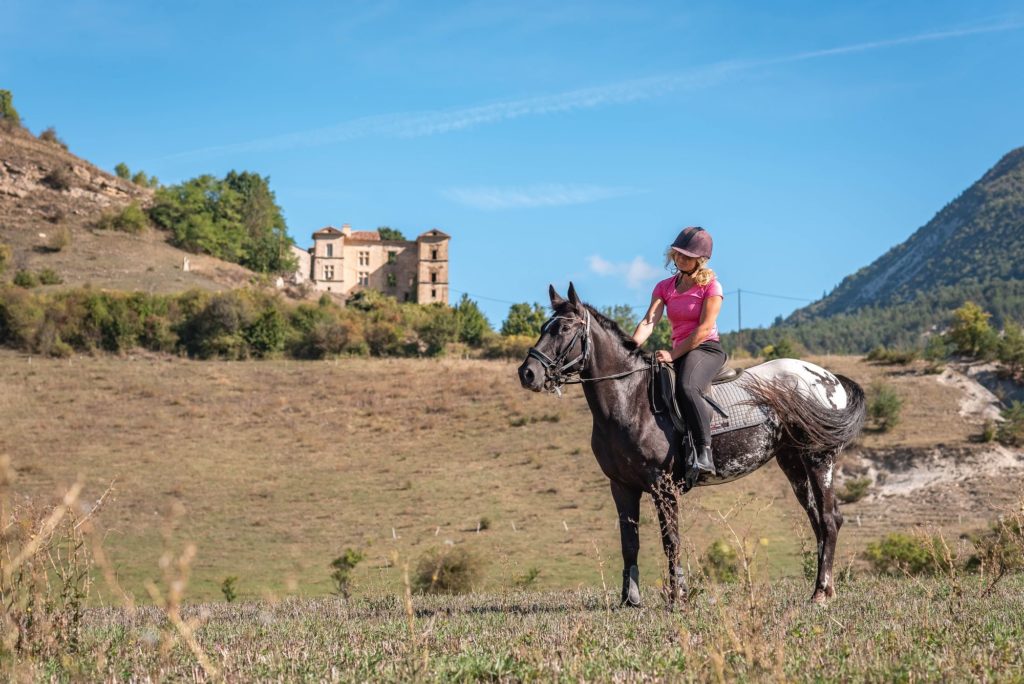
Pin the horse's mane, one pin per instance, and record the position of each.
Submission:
(628, 343)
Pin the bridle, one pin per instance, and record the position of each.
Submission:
(561, 370)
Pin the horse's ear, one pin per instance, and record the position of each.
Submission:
(556, 299)
(574, 298)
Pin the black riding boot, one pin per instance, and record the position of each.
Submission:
(704, 461)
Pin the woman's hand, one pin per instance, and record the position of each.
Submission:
(663, 356)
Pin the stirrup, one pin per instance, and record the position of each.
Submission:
(705, 462)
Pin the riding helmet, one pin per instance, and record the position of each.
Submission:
(693, 242)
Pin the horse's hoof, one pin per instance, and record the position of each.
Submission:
(820, 597)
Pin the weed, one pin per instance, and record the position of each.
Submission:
(912, 554)
(720, 562)
(528, 578)
(1011, 430)
(129, 219)
(26, 279)
(48, 276)
(50, 135)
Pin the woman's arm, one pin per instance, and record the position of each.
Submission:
(708, 316)
(646, 325)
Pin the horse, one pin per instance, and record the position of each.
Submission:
(812, 414)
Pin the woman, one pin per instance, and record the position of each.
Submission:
(693, 298)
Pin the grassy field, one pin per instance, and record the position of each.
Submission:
(948, 629)
(272, 469)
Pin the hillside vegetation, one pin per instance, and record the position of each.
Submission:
(972, 250)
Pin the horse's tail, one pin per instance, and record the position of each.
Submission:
(811, 425)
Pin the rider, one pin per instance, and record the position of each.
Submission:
(693, 298)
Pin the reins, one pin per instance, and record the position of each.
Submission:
(559, 372)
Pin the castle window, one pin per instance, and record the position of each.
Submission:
(406, 296)
(328, 272)
(330, 250)
(433, 254)
(364, 278)
(392, 280)
(433, 276)
(433, 294)
(392, 256)
(364, 258)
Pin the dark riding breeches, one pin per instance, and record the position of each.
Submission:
(694, 372)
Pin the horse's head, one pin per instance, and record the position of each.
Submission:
(563, 346)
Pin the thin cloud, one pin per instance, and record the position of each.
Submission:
(550, 195)
(636, 273)
(425, 123)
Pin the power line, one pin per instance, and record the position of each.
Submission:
(776, 296)
(476, 296)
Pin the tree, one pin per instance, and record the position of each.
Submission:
(971, 334)
(524, 320)
(8, 114)
(1011, 348)
(473, 324)
(122, 171)
(623, 314)
(236, 219)
(387, 233)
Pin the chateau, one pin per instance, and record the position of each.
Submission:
(346, 261)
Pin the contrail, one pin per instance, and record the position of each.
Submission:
(419, 124)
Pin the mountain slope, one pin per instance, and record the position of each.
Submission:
(972, 250)
(47, 191)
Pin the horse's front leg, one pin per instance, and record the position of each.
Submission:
(627, 503)
(668, 515)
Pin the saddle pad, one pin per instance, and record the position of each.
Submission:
(732, 397)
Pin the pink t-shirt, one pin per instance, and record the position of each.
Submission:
(684, 308)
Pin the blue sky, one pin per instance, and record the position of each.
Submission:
(553, 141)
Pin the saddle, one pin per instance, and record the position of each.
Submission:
(731, 405)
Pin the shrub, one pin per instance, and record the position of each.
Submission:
(122, 171)
(48, 276)
(341, 574)
(854, 490)
(266, 335)
(227, 587)
(989, 431)
(60, 179)
(26, 279)
(892, 356)
(60, 240)
(528, 578)
(899, 553)
(1011, 431)
(129, 219)
(783, 349)
(8, 114)
(720, 562)
(452, 570)
(885, 407)
(50, 136)
(513, 347)
(440, 327)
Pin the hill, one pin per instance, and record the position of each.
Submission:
(973, 249)
(48, 194)
(272, 469)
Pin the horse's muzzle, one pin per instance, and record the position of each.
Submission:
(531, 375)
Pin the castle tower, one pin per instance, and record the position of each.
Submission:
(329, 258)
(432, 272)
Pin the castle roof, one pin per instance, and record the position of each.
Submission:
(365, 235)
(327, 230)
(434, 233)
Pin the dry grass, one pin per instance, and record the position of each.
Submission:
(279, 466)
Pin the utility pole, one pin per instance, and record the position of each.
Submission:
(739, 309)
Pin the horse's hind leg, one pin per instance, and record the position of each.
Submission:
(627, 503)
(819, 474)
(793, 467)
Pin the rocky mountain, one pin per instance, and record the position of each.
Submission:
(978, 237)
(972, 250)
(50, 204)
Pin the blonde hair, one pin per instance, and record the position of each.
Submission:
(702, 276)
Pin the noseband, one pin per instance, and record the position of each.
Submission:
(558, 371)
